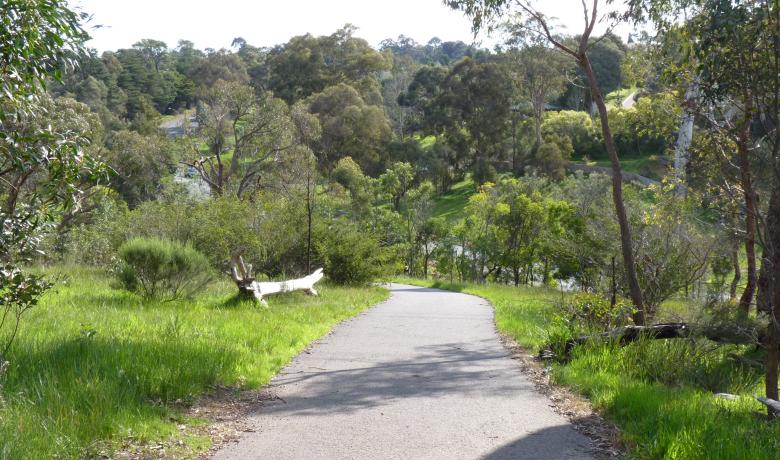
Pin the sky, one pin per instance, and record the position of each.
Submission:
(215, 23)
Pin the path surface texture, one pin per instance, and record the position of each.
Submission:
(422, 375)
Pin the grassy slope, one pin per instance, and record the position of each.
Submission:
(647, 165)
(678, 421)
(450, 205)
(94, 366)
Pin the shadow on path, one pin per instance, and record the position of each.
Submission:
(438, 370)
(552, 443)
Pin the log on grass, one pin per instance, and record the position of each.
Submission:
(628, 334)
(249, 288)
(774, 406)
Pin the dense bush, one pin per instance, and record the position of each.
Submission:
(579, 128)
(218, 228)
(552, 157)
(484, 172)
(594, 312)
(95, 241)
(159, 268)
(351, 257)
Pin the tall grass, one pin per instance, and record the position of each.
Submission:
(94, 367)
(660, 393)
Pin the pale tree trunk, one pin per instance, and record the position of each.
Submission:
(251, 289)
(685, 137)
(538, 116)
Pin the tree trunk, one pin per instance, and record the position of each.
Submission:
(746, 180)
(737, 273)
(771, 268)
(514, 143)
(613, 285)
(538, 115)
(617, 193)
(251, 289)
(685, 137)
(309, 211)
(771, 254)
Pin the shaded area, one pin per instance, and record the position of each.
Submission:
(542, 444)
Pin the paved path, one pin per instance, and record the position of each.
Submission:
(422, 375)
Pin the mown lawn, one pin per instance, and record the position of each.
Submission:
(94, 366)
(660, 393)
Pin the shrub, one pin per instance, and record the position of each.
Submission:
(552, 157)
(351, 257)
(96, 241)
(484, 172)
(219, 227)
(162, 268)
(593, 312)
(578, 127)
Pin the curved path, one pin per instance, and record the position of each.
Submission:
(422, 375)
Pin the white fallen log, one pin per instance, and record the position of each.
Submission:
(771, 405)
(248, 287)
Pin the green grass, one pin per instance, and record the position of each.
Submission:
(646, 165)
(427, 142)
(450, 205)
(617, 97)
(659, 393)
(94, 367)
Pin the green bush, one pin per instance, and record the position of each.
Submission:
(484, 172)
(351, 257)
(95, 242)
(159, 268)
(577, 126)
(592, 312)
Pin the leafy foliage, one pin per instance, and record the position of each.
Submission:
(158, 268)
(41, 167)
(351, 257)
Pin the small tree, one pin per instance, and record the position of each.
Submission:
(40, 169)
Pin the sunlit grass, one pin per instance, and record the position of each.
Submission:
(94, 366)
(660, 393)
(451, 205)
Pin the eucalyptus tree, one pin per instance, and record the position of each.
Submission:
(245, 134)
(541, 71)
(469, 106)
(350, 127)
(307, 65)
(40, 167)
(483, 13)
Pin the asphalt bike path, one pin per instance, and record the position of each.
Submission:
(421, 376)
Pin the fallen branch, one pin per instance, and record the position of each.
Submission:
(772, 405)
(628, 334)
(623, 336)
(249, 288)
